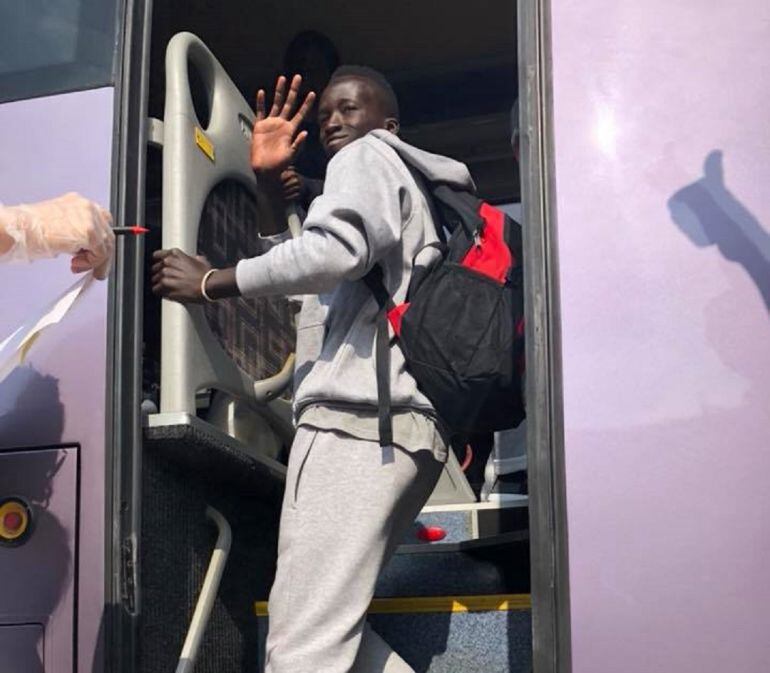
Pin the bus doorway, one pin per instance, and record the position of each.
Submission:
(462, 578)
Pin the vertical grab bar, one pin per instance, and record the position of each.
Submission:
(208, 593)
(294, 222)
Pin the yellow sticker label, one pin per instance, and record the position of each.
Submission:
(206, 146)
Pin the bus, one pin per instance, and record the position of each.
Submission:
(143, 444)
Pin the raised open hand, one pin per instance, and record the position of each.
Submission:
(275, 139)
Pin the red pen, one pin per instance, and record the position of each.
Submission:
(135, 230)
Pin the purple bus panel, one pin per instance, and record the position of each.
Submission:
(38, 572)
(662, 146)
(50, 146)
(22, 647)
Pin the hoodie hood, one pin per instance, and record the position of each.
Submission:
(434, 167)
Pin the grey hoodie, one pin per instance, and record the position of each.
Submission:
(371, 211)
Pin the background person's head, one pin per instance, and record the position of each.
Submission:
(357, 100)
(314, 56)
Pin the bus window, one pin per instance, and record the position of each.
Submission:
(48, 48)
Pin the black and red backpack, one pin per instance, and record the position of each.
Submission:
(461, 327)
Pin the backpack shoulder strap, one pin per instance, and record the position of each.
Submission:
(374, 281)
(458, 209)
(451, 207)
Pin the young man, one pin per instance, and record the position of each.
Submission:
(348, 501)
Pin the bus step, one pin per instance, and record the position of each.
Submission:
(472, 634)
(468, 633)
(467, 525)
(449, 570)
(194, 444)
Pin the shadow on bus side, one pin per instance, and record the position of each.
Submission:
(709, 214)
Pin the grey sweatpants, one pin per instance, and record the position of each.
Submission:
(348, 503)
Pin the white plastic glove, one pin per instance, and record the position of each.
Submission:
(69, 224)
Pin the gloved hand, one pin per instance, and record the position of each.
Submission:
(68, 224)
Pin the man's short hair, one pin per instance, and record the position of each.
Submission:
(376, 79)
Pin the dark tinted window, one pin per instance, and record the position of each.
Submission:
(51, 46)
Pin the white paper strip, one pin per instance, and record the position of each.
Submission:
(15, 348)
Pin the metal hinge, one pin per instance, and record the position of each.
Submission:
(128, 575)
(155, 132)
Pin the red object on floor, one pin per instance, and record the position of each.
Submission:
(431, 533)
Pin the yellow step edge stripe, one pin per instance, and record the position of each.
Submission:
(498, 602)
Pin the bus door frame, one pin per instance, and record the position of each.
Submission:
(551, 637)
(551, 640)
(125, 329)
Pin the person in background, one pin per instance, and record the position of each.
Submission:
(69, 224)
(314, 57)
(505, 475)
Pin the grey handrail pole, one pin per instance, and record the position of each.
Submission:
(208, 593)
